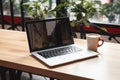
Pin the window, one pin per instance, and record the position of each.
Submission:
(16, 4)
(110, 12)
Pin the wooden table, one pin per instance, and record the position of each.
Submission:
(14, 53)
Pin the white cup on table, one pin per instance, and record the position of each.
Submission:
(94, 41)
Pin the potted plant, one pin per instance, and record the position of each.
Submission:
(83, 10)
(37, 9)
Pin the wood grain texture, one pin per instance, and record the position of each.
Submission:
(14, 53)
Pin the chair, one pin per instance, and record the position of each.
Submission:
(13, 21)
(3, 71)
(95, 29)
(111, 36)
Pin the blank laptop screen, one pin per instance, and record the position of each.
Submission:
(49, 33)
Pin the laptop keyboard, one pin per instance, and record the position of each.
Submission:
(60, 51)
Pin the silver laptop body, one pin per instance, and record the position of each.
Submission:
(51, 42)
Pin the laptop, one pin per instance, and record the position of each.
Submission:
(51, 41)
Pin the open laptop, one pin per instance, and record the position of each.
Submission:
(51, 42)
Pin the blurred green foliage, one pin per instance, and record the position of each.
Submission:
(37, 9)
(83, 10)
(110, 10)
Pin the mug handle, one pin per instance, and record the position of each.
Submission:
(102, 41)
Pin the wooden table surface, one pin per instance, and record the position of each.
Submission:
(14, 53)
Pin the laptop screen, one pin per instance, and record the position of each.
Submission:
(49, 33)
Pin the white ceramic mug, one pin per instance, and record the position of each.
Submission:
(94, 41)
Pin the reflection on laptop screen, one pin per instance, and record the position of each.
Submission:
(48, 33)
